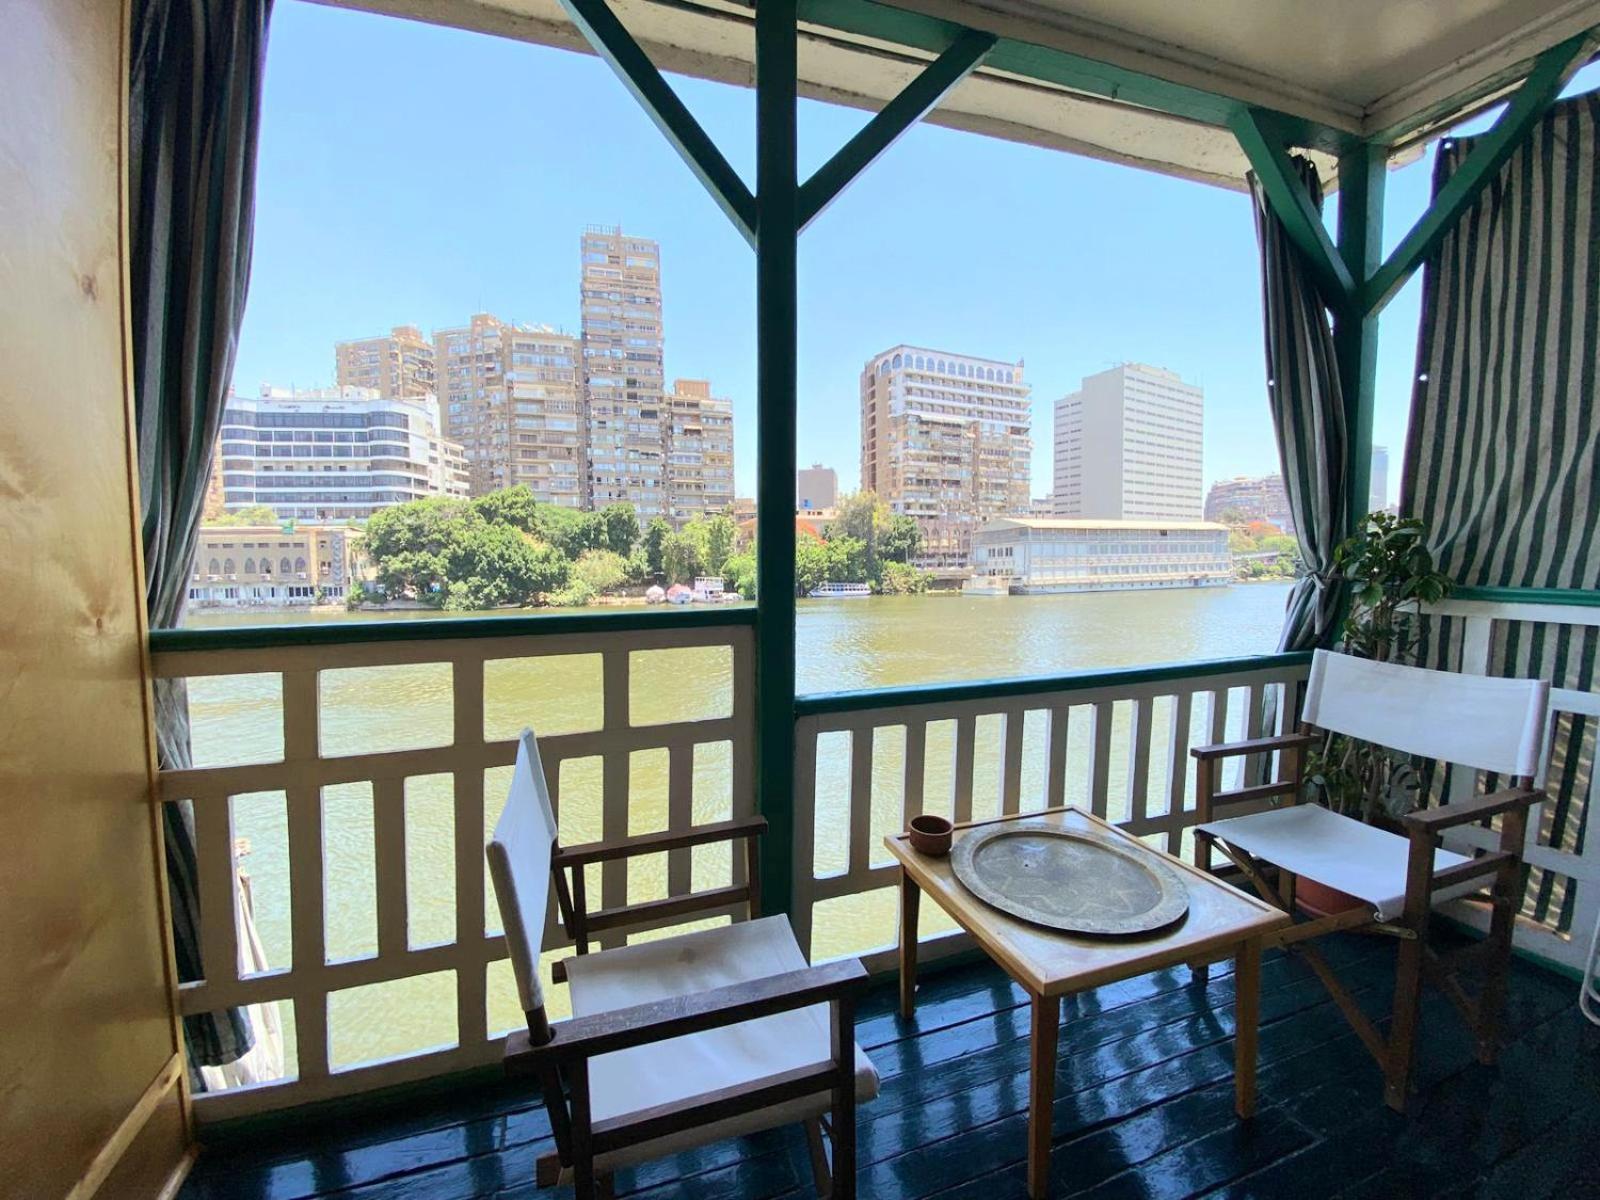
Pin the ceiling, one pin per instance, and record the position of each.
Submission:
(1362, 67)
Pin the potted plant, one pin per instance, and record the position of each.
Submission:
(1390, 575)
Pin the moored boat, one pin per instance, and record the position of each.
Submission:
(840, 591)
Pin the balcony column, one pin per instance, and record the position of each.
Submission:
(777, 231)
(1362, 171)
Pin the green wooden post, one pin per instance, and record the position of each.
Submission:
(1362, 171)
(777, 234)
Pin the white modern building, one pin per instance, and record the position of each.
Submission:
(1379, 488)
(1129, 446)
(334, 454)
(945, 438)
(1034, 556)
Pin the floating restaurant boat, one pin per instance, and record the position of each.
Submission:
(840, 591)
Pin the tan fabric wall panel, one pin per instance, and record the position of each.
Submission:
(84, 1005)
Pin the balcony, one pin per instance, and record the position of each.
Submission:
(338, 854)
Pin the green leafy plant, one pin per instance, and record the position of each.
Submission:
(1392, 578)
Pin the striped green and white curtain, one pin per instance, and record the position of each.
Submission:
(1503, 454)
(193, 112)
(1502, 459)
(1307, 416)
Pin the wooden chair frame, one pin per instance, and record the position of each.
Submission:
(1418, 961)
(558, 1054)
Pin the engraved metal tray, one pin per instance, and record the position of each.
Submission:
(1066, 880)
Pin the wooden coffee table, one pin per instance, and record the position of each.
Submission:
(1222, 922)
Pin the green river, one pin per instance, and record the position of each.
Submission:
(873, 643)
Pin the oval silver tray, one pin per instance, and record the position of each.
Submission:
(1070, 881)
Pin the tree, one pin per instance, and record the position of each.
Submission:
(621, 528)
(720, 535)
(250, 514)
(901, 541)
(408, 543)
(862, 515)
(848, 560)
(683, 555)
(601, 571)
(489, 566)
(902, 579)
(654, 544)
(510, 506)
(739, 573)
(811, 564)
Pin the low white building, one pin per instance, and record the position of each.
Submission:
(1041, 555)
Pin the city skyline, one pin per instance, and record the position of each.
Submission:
(995, 265)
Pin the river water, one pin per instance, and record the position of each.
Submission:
(841, 645)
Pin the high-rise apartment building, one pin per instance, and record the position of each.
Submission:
(699, 451)
(945, 439)
(513, 399)
(397, 366)
(1379, 491)
(1254, 497)
(334, 454)
(624, 373)
(1129, 446)
(816, 487)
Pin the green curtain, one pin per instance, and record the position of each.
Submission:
(1503, 452)
(194, 106)
(1307, 409)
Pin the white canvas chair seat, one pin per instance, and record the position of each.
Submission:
(681, 1069)
(1339, 852)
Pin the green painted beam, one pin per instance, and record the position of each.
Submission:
(777, 352)
(823, 703)
(1574, 598)
(1549, 75)
(918, 98)
(443, 629)
(1362, 176)
(613, 43)
(1266, 146)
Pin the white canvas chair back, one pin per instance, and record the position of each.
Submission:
(519, 864)
(1477, 721)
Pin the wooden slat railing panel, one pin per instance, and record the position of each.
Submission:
(308, 979)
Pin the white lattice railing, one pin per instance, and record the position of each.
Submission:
(356, 948)
(1556, 641)
(1116, 742)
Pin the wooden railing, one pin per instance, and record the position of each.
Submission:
(337, 902)
(1115, 742)
(1550, 635)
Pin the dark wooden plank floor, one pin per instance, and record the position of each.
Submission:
(1143, 1108)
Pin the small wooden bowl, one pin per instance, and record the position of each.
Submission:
(930, 835)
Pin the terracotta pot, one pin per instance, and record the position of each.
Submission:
(930, 835)
(1319, 900)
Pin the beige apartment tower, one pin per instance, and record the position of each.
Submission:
(699, 451)
(512, 394)
(399, 366)
(1129, 446)
(623, 371)
(945, 439)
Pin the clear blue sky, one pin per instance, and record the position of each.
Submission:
(414, 175)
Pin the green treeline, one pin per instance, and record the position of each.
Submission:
(509, 549)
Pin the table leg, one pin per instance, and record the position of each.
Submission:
(910, 894)
(1042, 1092)
(1247, 1022)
